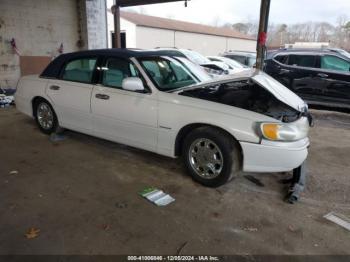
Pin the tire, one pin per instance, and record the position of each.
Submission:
(44, 111)
(219, 165)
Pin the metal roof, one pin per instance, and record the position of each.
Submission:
(176, 25)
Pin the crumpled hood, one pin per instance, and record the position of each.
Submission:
(278, 90)
(281, 92)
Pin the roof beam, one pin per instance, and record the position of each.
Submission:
(126, 3)
(262, 35)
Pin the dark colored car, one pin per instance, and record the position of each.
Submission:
(245, 58)
(319, 76)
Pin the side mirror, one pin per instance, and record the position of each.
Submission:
(133, 84)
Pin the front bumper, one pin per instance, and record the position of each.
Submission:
(271, 156)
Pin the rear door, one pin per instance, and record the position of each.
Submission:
(70, 94)
(335, 75)
(120, 115)
(276, 66)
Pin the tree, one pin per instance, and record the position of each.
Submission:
(241, 27)
(282, 30)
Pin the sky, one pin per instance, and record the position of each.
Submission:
(218, 12)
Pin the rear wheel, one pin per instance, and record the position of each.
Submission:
(45, 116)
(210, 156)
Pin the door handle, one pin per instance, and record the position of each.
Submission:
(54, 87)
(322, 75)
(285, 71)
(102, 96)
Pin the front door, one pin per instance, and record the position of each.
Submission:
(123, 116)
(302, 72)
(335, 74)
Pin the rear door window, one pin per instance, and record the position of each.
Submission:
(302, 60)
(334, 63)
(79, 70)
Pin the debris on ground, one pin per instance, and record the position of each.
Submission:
(6, 101)
(156, 196)
(250, 229)
(105, 227)
(6, 97)
(291, 228)
(54, 137)
(32, 233)
(121, 205)
(181, 248)
(254, 180)
(339, 219)
(13, 172)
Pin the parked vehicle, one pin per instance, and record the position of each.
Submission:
(233, 65)
(244, 121)
(216, 68)
(320, 76)
(243, 57)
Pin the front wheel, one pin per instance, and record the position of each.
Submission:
(210, 156)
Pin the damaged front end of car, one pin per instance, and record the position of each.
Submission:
(261, 94)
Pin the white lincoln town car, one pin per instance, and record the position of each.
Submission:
(159, 103)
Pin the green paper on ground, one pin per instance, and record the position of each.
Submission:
(156, 196)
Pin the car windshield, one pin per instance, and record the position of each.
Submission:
(195, 57)
(168, 73)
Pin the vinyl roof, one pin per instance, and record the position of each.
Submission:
(53, 69)
(176, 25)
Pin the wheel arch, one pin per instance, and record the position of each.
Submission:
(35, 100)
(184, 131)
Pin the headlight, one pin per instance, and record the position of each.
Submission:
(285, 131)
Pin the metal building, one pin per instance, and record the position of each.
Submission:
(144, 31)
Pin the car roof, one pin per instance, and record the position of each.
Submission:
(122, 52)
(309, 51)
(53, 69)
(241, 53)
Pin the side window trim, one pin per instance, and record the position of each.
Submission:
(296, 66)
(60, 75)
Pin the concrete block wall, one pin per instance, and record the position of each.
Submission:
(39, 27)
